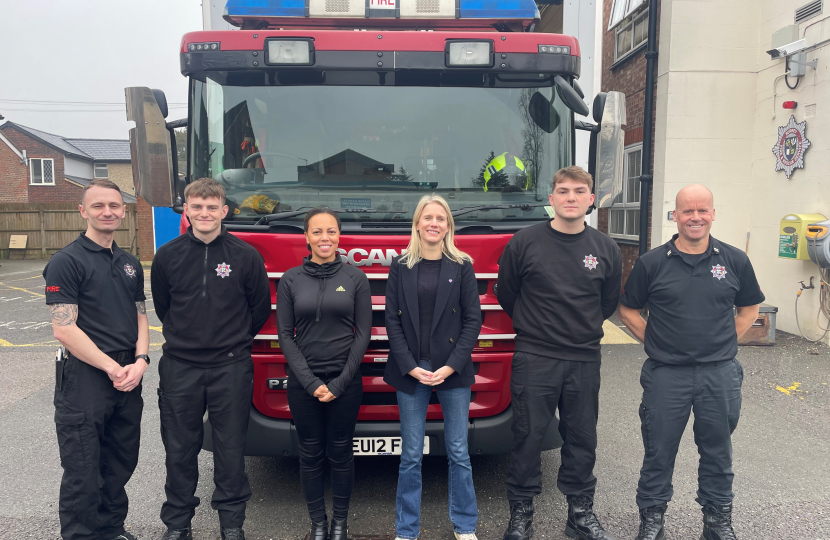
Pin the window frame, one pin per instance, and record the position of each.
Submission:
(32, 172)
(625, 206)
(630, 22)
(95, 170)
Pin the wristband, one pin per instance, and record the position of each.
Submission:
(144, 356)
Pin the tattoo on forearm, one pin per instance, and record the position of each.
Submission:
(142, 310)
(64, 314)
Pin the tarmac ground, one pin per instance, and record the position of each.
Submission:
(781, 449)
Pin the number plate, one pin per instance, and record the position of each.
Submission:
(381, 446)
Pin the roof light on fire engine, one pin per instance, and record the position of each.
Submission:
(555, 49)
(469, 53)
(290, 52)
(212, 46)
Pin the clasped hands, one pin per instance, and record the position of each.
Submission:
(322, 393)
(126, 378)
(432, 378)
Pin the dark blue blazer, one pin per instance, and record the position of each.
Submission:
(456, 324)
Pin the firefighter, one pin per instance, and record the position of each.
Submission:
(212, 295)
(690, 285)
(558, 280)
(95, 291)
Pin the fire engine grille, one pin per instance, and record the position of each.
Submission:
(378, 286)
(808, 11)
(427, 6)
(337, 6)
(389, 398)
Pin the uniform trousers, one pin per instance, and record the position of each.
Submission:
(185, 393)
(670, 394)
(538, 386)
(99, 430)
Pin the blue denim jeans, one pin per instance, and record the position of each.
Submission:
(455, 404)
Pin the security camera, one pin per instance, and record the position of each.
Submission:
(788, 50)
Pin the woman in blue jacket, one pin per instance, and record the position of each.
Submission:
(433, 318)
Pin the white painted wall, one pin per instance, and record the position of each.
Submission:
(715, 126)
(77, 167)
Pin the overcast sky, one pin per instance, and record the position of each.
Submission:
(89, 51)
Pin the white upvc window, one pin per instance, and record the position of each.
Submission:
(101, 170)
(42, 172)
(630, 34)
(624, 214)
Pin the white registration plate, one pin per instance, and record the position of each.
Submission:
(381, 446)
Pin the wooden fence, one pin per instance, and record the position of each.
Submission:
(52, 226)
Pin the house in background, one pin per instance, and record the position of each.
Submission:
(40, 167)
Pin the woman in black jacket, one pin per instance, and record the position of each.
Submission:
(330, 306)
(433, 318)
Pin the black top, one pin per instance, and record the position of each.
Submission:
(104, 284)
(559, 288)
(456, 324)
(324, 315)
(212, 299)
(691, 319)
(427, 287)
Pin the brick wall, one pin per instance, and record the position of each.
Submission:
(14, 177)
(144, 213)
(628, 77)
(62, 191)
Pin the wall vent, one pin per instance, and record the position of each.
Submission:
(808, 11)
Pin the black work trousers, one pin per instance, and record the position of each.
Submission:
(670, 393)
(99, 431)
(185, 393)
(326, 430)
(538, 386)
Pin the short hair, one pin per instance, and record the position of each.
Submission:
(205, 188)
(104, 183)
(575, 173)
(316, 212)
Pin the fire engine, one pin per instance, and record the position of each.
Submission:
(365, 106)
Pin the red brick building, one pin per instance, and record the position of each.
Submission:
(624, 69)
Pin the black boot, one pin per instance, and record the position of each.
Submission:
(339, 529)
(178, 534)
(651, 523)
(521, 521)
(582, 522)
(233, 534)
(717, 523)
(319, 530)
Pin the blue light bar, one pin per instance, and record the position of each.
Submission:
(498, 9)
(265, 8)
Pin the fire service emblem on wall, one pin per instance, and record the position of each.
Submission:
(790, 147)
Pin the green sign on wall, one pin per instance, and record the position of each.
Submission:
(786, 246)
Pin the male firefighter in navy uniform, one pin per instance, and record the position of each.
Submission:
(690, 285)
(211, 292)
(95, 292)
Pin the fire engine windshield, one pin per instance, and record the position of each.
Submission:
(380, 148)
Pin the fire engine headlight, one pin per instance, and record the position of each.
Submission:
(293, 52)
(470, 53)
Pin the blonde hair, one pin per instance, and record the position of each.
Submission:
(412, 256)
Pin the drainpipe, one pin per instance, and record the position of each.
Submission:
(646, 177)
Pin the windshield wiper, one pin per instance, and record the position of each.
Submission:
(285, 215)
(522, 206)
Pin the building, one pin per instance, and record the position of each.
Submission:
(40, 167)
(719, 115)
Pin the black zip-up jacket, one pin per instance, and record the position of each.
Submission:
(212, 299)
(324, 316)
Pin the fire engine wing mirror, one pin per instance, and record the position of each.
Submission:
(570, 97)
(542, 113)
(610, 147)
(152, 156)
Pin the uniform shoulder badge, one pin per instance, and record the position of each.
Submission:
(129, 270)
(591, 262)
(718, 272)
(223, 270)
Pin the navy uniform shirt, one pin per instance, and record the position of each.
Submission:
(690, 300)
(105, 285)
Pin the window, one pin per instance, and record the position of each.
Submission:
(624, 215)
(42, 171)
(101, 170)
(631, 33)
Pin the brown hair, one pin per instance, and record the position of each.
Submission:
(316, 212)
(205, 188)
(101, 182)
(575, 173)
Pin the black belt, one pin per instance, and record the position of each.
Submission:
(124, 358)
